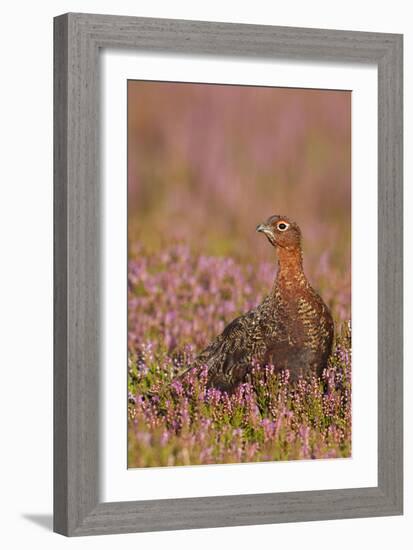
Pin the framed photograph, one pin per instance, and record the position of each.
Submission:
(228, 274)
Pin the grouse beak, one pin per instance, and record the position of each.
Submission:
(266, 229)
(263, 228)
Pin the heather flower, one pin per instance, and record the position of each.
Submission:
(173, 311)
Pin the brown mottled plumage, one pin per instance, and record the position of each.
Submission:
(291, 329)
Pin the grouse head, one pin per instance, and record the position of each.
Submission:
(281, 232)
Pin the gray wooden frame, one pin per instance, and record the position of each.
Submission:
(78, 39)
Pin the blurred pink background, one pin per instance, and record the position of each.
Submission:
(207, 163)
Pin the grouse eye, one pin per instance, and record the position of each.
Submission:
(282, 226)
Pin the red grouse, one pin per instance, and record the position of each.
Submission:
(291, 329)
